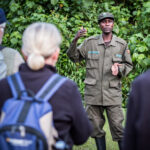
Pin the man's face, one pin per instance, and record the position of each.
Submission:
(106, 25)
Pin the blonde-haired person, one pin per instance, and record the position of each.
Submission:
(40, 41)
(11, 57)
(41, 50)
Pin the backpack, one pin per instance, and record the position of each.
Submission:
(26, 119)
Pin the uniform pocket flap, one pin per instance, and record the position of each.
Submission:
(90, 81)
(93, 55)
(117, 59)
(114, 83)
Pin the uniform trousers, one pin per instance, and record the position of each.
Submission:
(115, 118)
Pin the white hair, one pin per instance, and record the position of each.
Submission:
(40, 40)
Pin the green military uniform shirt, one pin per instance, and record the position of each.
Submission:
(101, 87)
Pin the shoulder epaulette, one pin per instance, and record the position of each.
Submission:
(92, 38)
(120, 40)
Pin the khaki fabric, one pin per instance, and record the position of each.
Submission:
(115, 119)
(12, 59)
(101, 87)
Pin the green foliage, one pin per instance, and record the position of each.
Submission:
(131, 23)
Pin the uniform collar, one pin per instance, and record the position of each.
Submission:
(113, 41)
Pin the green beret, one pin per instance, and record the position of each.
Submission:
(105, 15)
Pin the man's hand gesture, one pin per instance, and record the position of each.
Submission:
(82, 32)
(115, 69)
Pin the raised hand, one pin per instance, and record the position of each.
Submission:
(82, 32)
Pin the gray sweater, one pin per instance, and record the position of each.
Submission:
(12, 59)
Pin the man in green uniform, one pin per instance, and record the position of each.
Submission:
(107, 61)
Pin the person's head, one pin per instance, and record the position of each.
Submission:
(2, 23)
(106, 22)
(41, 45)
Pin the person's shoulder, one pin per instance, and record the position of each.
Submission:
(120, 40)
(92, 38)
(10, 51)
(69, 86)
(143, 78)
(69, 83)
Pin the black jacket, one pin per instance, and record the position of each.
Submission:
(137, 130)
(70, 118)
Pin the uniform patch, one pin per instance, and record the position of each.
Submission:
(128, 51)
(93, 52)
(119, 55)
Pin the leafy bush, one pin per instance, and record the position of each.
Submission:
(131, 23)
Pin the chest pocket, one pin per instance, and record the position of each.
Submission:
(117, 58)
(92, 59)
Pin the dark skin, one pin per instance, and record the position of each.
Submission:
(106, 25)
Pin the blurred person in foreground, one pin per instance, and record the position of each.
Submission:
(11, 57)
(41, 50)
(107, 60)
(137, 129)
(3, 67)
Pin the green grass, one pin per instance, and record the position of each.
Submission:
(110, 145)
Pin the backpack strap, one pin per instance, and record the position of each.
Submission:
(16, 84)
(50, 87)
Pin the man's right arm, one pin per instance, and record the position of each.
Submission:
(75, 53)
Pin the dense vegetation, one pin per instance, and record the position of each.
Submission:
(132, 23)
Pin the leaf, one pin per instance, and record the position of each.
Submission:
(87, 3)
(116, 29)
(14, 41)
(147, 40)
(142, 48)
(134, 56)
(133, 39)
(140, 35)
(147, 61)
(54, 2)
(30, 4)
(147, 4)
(140, 57)
(14, 7)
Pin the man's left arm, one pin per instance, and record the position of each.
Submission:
(122, 69)
(126, 65)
